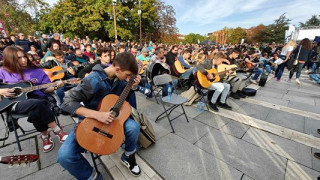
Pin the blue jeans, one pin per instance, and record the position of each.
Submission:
(257, 73)
(298, 73)
(165, 87)
(188, 73)
(219, 88)
(315, 77)
(70, 157)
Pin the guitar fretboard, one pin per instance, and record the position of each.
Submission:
(33, 88)
(124, 93)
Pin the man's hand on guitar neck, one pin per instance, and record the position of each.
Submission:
(136, 82)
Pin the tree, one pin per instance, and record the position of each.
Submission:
(236, 35)
(166, 22)
(275, 32)
(313, 21)
(253, 34)
(193, 38)
(16, 18)
(95, 18)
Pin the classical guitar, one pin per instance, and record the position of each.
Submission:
(22, 89)
(19, 159)
(224, 67)
(205, 82)
(101, 138)
(179, 68)
(59, 72)
(144, 65)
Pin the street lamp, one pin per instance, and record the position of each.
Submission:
(139, 13)
(114, 3)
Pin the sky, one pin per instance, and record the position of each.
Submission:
(205, 16)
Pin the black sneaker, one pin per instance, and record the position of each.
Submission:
(213, 107)
(234, 95)
(241, 95)
(316, 155)
(224, 106)
(130, 163)
(318, 130)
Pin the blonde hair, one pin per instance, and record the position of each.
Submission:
(290, 43)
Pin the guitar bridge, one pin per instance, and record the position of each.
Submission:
(103, 133)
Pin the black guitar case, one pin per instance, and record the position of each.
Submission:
(249, 91)
(157, 69)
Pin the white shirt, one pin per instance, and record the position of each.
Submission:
(285, 51)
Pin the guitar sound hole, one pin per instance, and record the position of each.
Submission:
(17, 92)
(115, 111)
(54, 73)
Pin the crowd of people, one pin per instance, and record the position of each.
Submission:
(104, 68)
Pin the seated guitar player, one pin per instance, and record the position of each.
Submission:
(237, 82)
(249, 56)
(218, 87)
(94, 87)
(159, 58)
(64, 64)
(183, 60)
(16, 68)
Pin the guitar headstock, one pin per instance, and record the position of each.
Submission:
(73, 81)
(19, 159)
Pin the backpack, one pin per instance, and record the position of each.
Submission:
(263, 79)
(147, 135)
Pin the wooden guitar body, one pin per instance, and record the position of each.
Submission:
(203, 80)
(179, 68)
(224, 67)
(58, 73)
(144, 65)
(101, 138)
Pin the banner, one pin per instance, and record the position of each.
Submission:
(3, 29)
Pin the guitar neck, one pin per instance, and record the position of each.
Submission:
(42, 86)
(223, 72)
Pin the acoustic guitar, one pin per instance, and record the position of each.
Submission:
(179, 68)
(205, 82)
(59, 72)
(19, 159)
(100, 138)
(22, 89)
(144, 65)
(224, 67)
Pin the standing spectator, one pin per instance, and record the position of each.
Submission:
(55, 39)
(304, 56)
(285, 55)
(25, 44)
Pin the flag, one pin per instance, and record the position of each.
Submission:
(3, 29)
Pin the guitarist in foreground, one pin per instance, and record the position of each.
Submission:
(218, 87)
(16, 68)
(94, 87)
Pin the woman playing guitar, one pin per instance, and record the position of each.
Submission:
(94, 87)
(16, 68)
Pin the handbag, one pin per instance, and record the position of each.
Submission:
(147, 134)
(296, 60)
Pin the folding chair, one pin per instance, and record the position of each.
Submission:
(175, 99)
(13, 125)
(200, 90)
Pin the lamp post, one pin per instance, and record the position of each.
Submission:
(139, 13)
(114, 2)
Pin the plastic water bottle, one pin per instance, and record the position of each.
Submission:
(198, 106)
(169, 91)
(202, 106)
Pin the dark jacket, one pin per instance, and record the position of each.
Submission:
(93, 89)
(25, 44)
(304, 55)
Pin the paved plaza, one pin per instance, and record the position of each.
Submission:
(270, 136)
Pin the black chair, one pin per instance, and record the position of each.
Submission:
(175, 100)
(12, 122)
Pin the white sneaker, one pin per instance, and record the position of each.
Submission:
(307, 71)
(298, 82)
(254, 81)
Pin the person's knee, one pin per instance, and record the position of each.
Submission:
(219, 87)
(132, 126)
